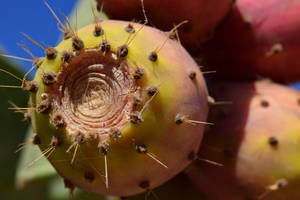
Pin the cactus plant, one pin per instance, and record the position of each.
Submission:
(119, 109)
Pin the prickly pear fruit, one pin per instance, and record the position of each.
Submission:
(175, 189)
(256, 138)
(258, 38)
(114, 108)
(203, 16)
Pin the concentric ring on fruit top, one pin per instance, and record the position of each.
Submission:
(91, 93)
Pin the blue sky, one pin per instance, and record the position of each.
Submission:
(33, 18)
(297, 86)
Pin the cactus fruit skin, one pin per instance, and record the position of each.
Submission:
(257, 38)
(178, 187)
(256, 139)
(91, 98)
(203, 16)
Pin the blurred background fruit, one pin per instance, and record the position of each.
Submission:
(257, 39)
(203, 16)
(256, 138)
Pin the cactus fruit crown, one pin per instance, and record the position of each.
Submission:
(111, 107)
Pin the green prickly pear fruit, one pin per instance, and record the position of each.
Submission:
(116, 108)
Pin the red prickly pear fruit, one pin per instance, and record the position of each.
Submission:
(107, 107)
(257, 139)
(258, 38)
(203, 16)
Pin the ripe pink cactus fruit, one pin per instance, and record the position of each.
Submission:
(256, 139)
(203, 16)
(258, 38)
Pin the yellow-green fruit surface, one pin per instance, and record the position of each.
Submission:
(117, 131)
